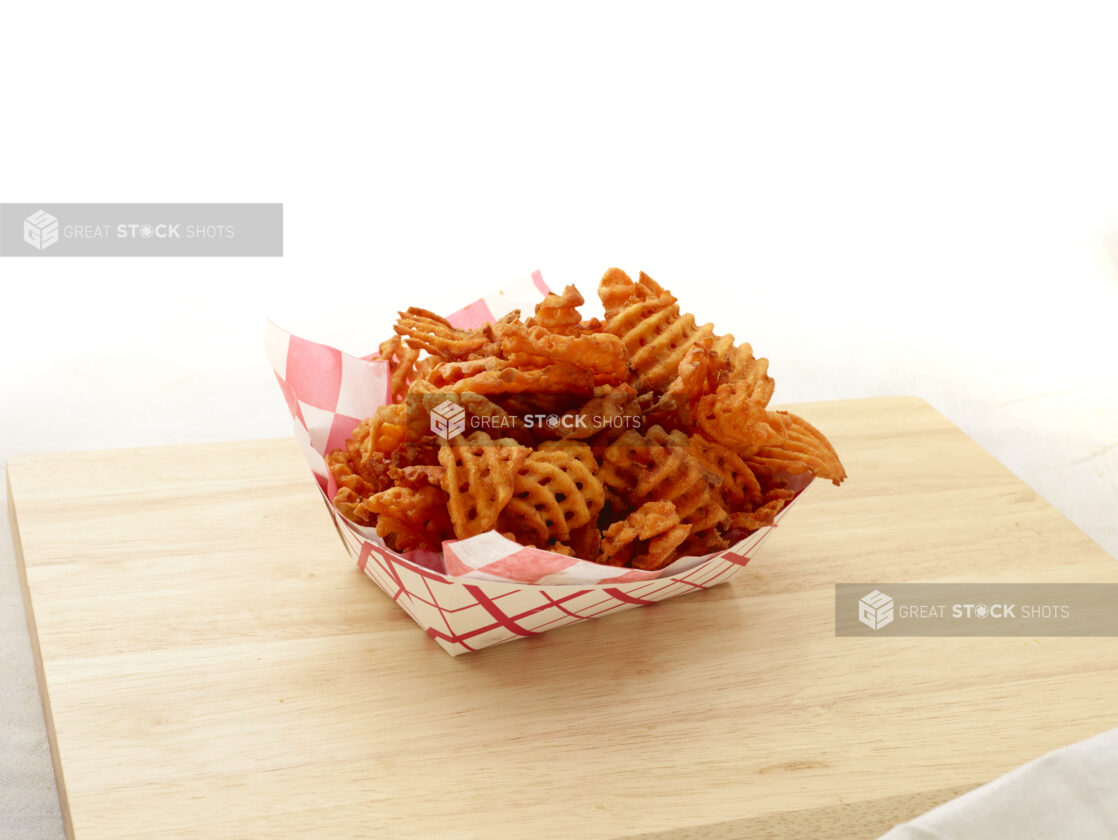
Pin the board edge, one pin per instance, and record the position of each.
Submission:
(36, 650)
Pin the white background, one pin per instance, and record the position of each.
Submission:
(882, 199)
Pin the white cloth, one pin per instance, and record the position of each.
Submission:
(1069, 793)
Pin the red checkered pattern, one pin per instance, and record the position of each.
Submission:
(463, 614)
(484, 590)
(328, 392)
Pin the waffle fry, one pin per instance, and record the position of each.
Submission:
(479, 480)
(550, 379)
(556, 490)
(629, 441)
(764, 514)
(401, 365)
(646, 538)
(738, 485)
(559, 313)
(800, 447)
(410, 519)
(600, 353)
(648, 321)
(425, 330)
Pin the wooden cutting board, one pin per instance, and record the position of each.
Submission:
(217, 667)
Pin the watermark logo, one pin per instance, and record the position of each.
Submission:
(54, 230)
(875, 610)
(448, 420)
(976, 609)
(40, 230)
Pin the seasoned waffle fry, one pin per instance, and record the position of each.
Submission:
(559, 313)
(417, 476)
(427, 331)
(445, 374)
(800, 447)
(630, 441)
(676, 407)
(660, 466)
(556, 490)
(401, 365)
(601, 353)
(352, 470)
(550, 379)
(648, 321)
(678, 476)
(608, 408)
(410, 519)
(730, 416)
(646, 538)
(738, 484)
(351, 504)
(764, 514)
(586, 542)
(479, 480)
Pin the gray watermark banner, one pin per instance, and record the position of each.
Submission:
(976, 609)
(141, 230)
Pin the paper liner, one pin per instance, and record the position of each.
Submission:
(486, 589)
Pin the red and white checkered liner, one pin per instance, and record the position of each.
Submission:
(484, 590)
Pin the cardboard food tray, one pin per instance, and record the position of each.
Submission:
(485, 590)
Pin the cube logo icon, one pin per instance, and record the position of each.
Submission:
(40, 230)
(448, 420)
(875, 610)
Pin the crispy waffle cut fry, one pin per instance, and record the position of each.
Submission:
(444, 374)
(417, 476)
(679, 477)
(359, 471)
(383, 432)
(363, 465)
(799, 447)
(633, 440)
(731, 417)
(493, 333)
(479, 480)
(648, 321)
(364, 476)
(424, 330)
(659, 466)
(608, 408)
(708, 542)
(401, 365)
(763, 515)
(621, 464)
(350, 504)
(421, 398)
(676, 407)
(531, 403)
(556, 490)
(646, 538)
(551, 379)
(632, 415)
(734, 414)
(738, 485)
(601, 353)
(586, 542)
(409, 519)
(559, 313)
(424, 367)
(751, 373)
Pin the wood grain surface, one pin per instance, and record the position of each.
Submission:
(215, 666)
